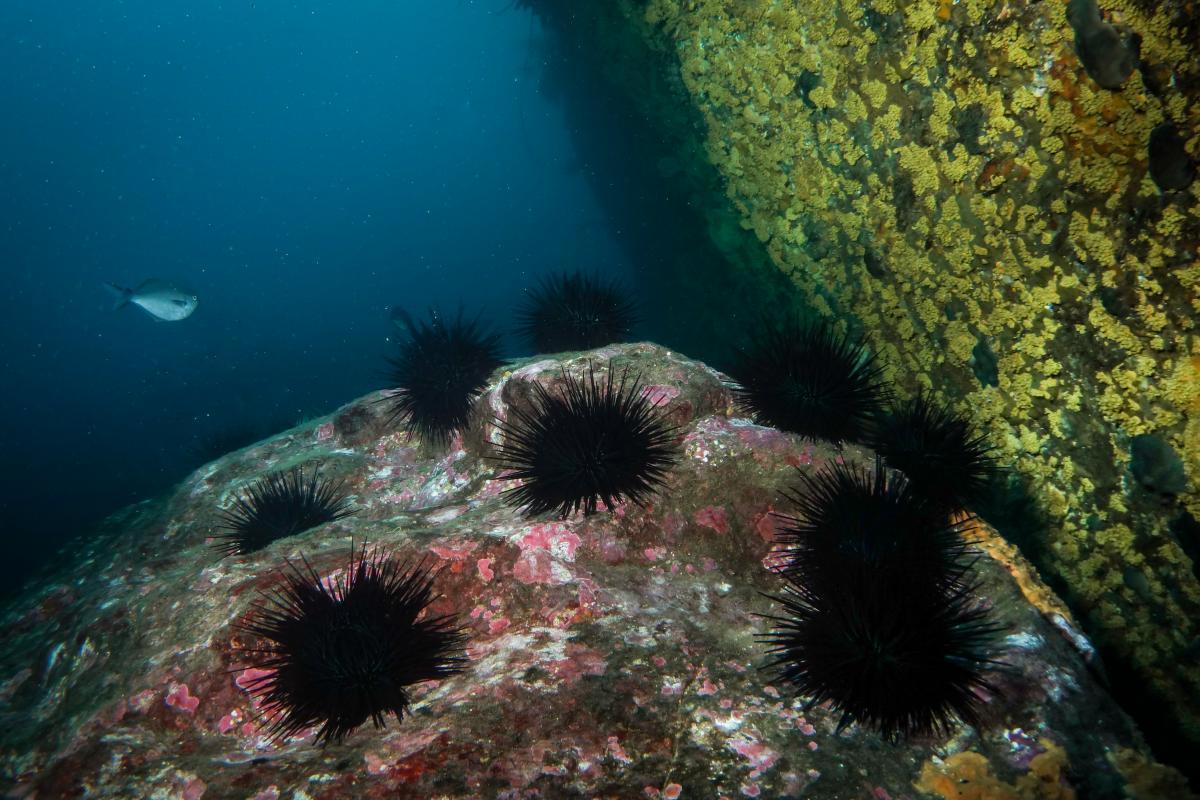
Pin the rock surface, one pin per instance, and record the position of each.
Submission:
(611, 656)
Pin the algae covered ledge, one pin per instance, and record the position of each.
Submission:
(948, 177)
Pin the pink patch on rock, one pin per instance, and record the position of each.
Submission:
(325, 432)
(761, 757)
(229, 721)
(194, 789)
(534, 567)
(764, 526)
(498, 625)
(712, 517)
(672, 791)
(654, 553)
(764, 440)
(580, 661)
(616, 751)
(484, 565)
(251, 678)
(707, 688)
(456, 552)
(543, 548)
(179, 698)
(554, 537)
(805, 459)
(659, 395)
(141, 701)
(375, 764)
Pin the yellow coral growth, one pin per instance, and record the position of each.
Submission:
(1007, 195)
(968, 776)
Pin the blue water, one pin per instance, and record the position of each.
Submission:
(301, 166)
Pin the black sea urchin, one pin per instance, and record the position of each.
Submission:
(585, 444)
(857, 522)
(899, 662)
(338, 653)
(279, 505)
(807, 379)
(575, 312)
(442, 367)
(936, 448)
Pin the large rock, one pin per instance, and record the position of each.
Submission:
(610, 656)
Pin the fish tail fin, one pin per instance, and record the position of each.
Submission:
(121, 296)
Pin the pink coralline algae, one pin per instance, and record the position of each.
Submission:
(249, 677)
(761, 757)
(545, 552)
(194, 789)
(178, 697)
(712, 517)
(611, 655)
(484, 565)
(660, 395)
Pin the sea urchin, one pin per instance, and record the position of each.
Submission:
(336, 653)
(442, 367)
(853, 521)
(806, 379)
(575, 312)
(279, 505)
(880, 620)
(935, 447)
(589, 443)
(902, 663)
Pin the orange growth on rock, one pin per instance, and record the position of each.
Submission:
(968, 776)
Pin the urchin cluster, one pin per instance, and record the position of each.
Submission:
(575, 312)
(279, 505)
(585, 444)
(440, 370)
(334, 654)
(880, 617)
(937, 449)
(807, 379)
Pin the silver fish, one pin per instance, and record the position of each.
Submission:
(157, 298)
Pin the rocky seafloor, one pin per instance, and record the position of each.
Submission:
(610, 656)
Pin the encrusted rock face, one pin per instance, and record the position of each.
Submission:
(610, 656)
(1006, 207)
